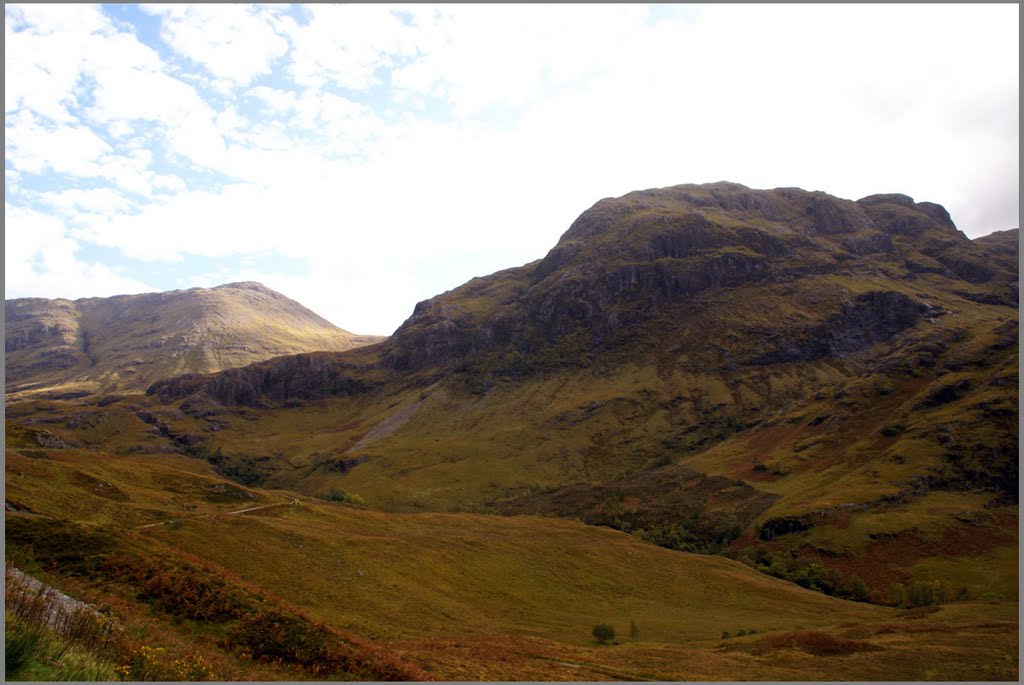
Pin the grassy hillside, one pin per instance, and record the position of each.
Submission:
(442, 596)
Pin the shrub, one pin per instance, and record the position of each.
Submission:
(153, 663)
(58, 545)
(285, 637)
(634, 632)
(339, 495)
(34, 654)
(819, 643)
(21, 644)
(274, 636)
(181, 591)
(192, 668)
(603, 633)
(892, 429)
(33, 651)
(858, 590)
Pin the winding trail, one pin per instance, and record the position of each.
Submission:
(291, 503)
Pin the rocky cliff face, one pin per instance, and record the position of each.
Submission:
(302, 376)
(628, 259)
(125, 343)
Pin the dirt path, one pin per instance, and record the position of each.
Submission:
(290, 503)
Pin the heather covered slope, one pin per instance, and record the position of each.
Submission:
(125, 343)
(272, 585)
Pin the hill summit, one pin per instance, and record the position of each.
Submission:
(125, 343)
(628, 260)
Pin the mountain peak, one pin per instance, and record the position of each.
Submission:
(244, 285)
(126, 342)
(629, 259)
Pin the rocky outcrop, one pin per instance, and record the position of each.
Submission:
(304, 377)
(866, 320)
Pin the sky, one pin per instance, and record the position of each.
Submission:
(361, 158)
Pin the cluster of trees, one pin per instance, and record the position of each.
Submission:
(687, 531)
(812, 575)
(925, 593)
(339, 495)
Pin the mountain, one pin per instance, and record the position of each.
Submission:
(786, 383)
(125, 343)
(714, 368)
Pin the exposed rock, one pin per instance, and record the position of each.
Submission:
(48, 440)
(830, 216)
(59, 611)
(945, 394)
(304, 376)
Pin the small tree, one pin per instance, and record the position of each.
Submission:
(603, 633)
(858, 589)
(634, 632)
(898, 594)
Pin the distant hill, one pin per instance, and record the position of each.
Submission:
(123, 344)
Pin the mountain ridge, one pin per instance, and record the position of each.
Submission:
(687, 246)
(125, 342)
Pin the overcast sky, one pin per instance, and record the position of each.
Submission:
(361, 158)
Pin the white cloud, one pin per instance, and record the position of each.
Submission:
(36, 75)
(99, 201)
(40, 261)
(345, 45)
(277, 101)
(34, 147)
(235, 43)
(482, 56)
